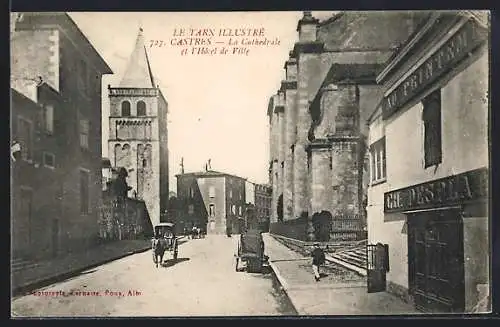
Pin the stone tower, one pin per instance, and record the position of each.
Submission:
(138, 132)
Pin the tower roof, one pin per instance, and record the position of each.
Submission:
(138, 73)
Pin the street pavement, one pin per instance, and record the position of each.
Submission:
(202, 282)
(339, 292)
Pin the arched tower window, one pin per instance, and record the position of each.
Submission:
(141, 108)
(125, 109)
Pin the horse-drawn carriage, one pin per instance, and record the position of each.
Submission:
(164, 240)
(251, 251)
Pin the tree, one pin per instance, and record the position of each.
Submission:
(120, 185)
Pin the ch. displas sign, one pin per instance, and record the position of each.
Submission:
(447, 191)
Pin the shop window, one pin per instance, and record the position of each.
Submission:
(141, 108)
(378, 161)
(431, 117)
(126, 109)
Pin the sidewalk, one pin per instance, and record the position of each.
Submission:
(341, 292)
(49, 271)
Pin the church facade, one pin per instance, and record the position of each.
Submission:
(318, 163)
(138, 133)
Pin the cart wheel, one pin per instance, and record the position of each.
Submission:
(254, 265)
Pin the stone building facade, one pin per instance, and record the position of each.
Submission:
(263, 205)
(211, 200)
(138, 132)
(428, 195)
(56, 118)
(318, 121)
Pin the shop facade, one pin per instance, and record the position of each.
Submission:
(429, 159)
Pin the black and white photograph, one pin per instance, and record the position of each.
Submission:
(250, 163)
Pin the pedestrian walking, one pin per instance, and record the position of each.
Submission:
(318, 256)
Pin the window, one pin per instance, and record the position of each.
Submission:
(144, 163)
(25, 138)
(233, 209)
(378, 157)
(240, 210)
(48, 118)
(431, 117)
(230, 194)
(126, 109)
(211, 210)
(49, 159)
(211, 191)
(84, 192)
(191, 209)
(191, 192)
(84, 133)
(141, 108)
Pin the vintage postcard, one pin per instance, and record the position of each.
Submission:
(182, 164)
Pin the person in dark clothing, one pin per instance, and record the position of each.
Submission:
(318, 256)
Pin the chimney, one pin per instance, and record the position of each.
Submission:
(306, 27)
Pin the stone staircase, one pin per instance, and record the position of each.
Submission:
(354, 256)
(350, 254)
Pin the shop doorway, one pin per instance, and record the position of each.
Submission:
(435, 261)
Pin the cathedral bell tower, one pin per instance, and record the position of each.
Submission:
(138, 132)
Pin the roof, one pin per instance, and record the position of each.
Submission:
(330, 20)
(34, 20)
(138, 72)
(209, 173)
(165, 225)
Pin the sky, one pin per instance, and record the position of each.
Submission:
(217, 104)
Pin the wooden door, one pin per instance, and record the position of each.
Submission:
(435, 258)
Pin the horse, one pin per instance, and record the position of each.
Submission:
(159, 247)
(195, 233)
